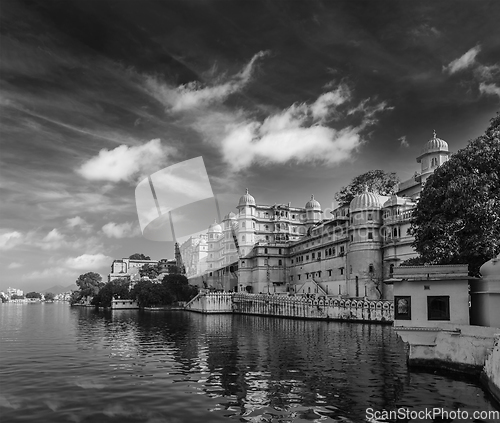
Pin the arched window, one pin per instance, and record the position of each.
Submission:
(391, 270)
(395, 232)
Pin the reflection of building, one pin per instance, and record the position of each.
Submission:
(128, 268)
(349, 252)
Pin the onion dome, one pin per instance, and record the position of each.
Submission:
(247, 200)
(215, 227)
(229, 216)
(365, 201)
(491, 269)
(312, 204)
(434, 145)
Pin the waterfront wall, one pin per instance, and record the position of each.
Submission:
(462, 348)
(210, 303)
(490, 376)
(325, 308)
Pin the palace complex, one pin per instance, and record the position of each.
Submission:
(277, 249)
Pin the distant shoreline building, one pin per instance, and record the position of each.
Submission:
(280, 248)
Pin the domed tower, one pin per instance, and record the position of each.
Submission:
(213, 251)
(313, 211)
(364, 258)
(246, 224)
(434, 154)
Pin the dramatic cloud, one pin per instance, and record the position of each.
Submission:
(77, 221)
(487, 72)
(124, 230)
(491, 89)
(463, 62)
(10, 240)
(89, 262)
(298, 134)
(126, 163)
(403, 142)
(53, 236)
(195, 94)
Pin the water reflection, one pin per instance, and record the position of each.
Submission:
(179, 366)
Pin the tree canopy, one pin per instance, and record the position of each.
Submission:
(119, 288)
(149, 270)
(376, 181)
(89, 283)
(33, 294)
(173, 288)
(139, 256)
(457, 219)
(49, 296)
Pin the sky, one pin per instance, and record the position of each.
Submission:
(285, 98)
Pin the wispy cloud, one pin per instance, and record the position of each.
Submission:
(78, 222)
(126, 163)
(14, 265)
(465, 61)
(9, 240)
(491, 89)
(403, 142)
(121, 230)
(195, 94)
(298, 134)
(89, 262)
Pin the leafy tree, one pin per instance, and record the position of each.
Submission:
(119, 288)
(76, 297)
(179, 287)
(457, 219)
(414, 261)
(150, 270)
(139, 256)
(377, 181)
(33, 294)
(49, 296)
(17, 297)
(149, 294)
(89, 283)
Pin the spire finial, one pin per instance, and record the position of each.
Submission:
(246, 190)
(312, 196)
(434, 133)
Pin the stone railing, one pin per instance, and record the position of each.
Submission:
(302, 307)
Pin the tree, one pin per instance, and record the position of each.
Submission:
(119, 288)
(457, 219)
(49, 296)
(376, 181)
(149, 270)
(139, 256)
(33, 295)
(17, 297)
(76, 297)
(179, 287)
(149, 294)
(89, 283)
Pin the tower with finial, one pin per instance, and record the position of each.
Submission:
(313, 211)
(434, 154)
(246, 223)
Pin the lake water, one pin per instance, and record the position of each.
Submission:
(63, 364)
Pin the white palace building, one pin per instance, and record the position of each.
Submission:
(280, 248)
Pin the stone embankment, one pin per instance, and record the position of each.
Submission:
(301, 307)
